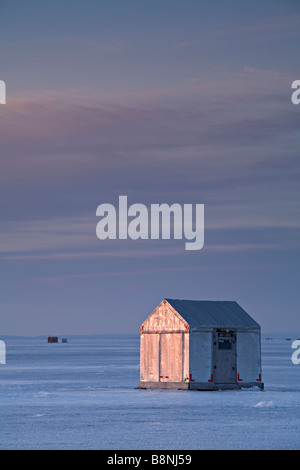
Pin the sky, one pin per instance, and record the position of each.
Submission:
(164, 102)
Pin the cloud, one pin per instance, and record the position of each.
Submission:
(249, 69)
(182, 45)
(273, 28)
(288, 22)
(147, 271)
(48, 133)
(74, 238)
(91, 43)
(230, 143)
(166, 250)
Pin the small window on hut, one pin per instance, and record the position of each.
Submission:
(224, 343)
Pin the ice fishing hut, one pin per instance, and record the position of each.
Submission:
(200, 345)
(52, 339)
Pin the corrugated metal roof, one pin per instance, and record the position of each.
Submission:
(218, 313)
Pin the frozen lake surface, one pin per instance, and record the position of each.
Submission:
(81, 395)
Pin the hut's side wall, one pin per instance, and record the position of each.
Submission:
(201, 356)
(248, 356)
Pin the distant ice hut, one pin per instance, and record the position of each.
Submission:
(201, 345)
(52, 339)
